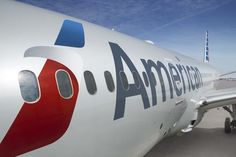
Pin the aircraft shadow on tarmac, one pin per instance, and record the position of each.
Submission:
(201, 142)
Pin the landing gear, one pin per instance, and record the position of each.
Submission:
(229, 125)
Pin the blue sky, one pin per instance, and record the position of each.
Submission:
(178, 25)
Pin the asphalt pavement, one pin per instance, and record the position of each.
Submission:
(206, 140)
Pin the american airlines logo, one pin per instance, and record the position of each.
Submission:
(189, 78)
(44, 121)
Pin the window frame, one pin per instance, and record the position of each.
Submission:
(145, 77)
(39, 88)
(71, 84)
(96, 89)
(120, 77)
(110, 79)
(153, 78)
(136, 78)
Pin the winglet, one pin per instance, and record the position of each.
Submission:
(206, 53)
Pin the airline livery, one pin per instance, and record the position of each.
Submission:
(72, 88)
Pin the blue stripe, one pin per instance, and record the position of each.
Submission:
(71, 34)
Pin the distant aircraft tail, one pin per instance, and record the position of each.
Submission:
(206, 53)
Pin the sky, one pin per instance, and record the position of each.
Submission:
(177, 25)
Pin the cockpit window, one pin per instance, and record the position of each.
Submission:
(28, 86)
(64, 84)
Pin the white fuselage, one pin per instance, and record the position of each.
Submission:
(100, 126)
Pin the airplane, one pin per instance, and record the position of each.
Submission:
(73, 88)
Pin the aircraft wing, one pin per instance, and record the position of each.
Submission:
(218, 99)
(225, 94)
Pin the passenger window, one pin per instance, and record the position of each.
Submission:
(109, 81)
(124, 80)
(64, 84)
(145, 79)
(90, 82)
(136, 79)
(28, 86)
(153, 78)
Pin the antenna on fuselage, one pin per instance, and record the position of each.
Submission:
(150, 42)
(206, 52)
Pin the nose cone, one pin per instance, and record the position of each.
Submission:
(46, 120)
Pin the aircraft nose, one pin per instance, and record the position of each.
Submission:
(49, 102)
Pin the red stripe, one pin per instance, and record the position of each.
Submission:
(43, 122)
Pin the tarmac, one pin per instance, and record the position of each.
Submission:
(206, 140)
